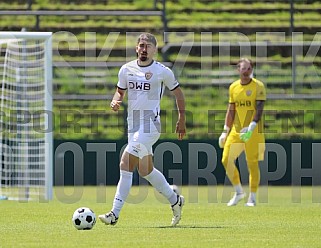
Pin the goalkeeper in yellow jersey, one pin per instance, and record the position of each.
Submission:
(243, 130)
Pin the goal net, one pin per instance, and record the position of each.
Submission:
(25, 116)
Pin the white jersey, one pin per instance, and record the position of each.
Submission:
(145, 86)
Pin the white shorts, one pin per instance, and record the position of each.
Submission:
(140, 143)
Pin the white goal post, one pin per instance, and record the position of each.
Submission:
(26, 147)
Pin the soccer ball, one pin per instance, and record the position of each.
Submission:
(176, 189)
(84, 219)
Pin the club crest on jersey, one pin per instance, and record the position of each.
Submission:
(136, 148)
(148, 75)
(248, 92)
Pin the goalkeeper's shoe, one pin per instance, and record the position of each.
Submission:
(250, 204)
(235, 199)
(177, 210)
(109, 218)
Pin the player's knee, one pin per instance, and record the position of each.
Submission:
(224, 161)
(253, 164)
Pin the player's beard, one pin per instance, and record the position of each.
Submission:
(143, 57)
(246, 75)
(246, 78)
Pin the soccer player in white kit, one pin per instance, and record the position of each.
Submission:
(145, 80)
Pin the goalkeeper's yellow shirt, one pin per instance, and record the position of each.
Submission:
(244, 97)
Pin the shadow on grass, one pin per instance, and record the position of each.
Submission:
(191, 227)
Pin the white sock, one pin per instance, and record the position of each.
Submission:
(157, 179)
(252, 197)
(123, 188)
(238, 189)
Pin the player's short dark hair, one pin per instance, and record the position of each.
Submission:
(245, 60)
(147, 37)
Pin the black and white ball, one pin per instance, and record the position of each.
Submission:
(84, 219)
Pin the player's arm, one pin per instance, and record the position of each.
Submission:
(259, 110)
(117, 99)
(180, 103)
(229, 119)
(230, 115)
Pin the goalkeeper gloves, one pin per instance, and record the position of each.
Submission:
(222, 138)
(246, 133)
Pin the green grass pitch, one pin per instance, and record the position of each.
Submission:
(285, 217)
